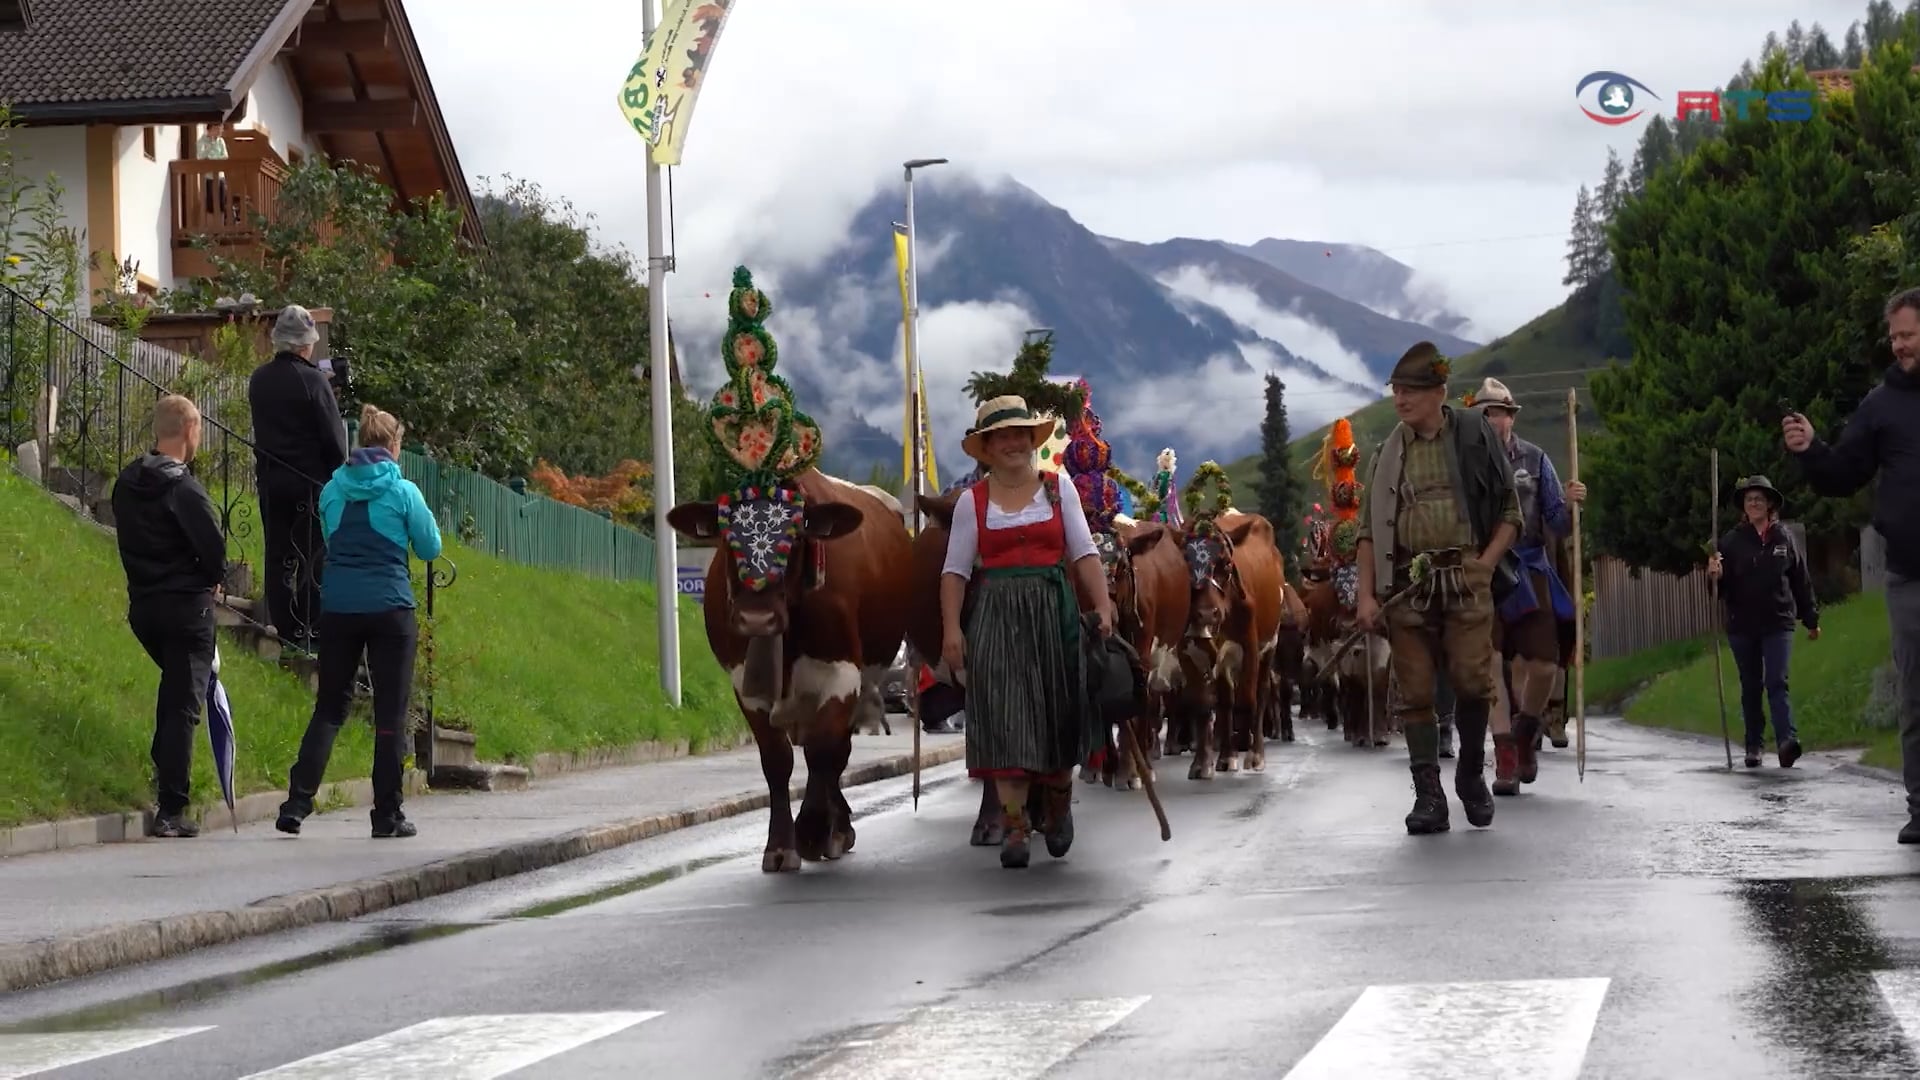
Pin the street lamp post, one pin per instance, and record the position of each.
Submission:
(912, 343)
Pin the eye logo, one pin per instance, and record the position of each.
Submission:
(1617, 102)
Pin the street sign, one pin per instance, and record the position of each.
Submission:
(693, 581)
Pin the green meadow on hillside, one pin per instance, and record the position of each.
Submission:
(531, 660)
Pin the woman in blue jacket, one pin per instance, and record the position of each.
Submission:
(369, 515)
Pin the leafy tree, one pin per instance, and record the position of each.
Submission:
(619, 494)
(1277, 489)
(1741, 289)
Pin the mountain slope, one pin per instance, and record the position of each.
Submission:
(994, 262)
(1538, 362)
(1360, 274)
(1377, 340)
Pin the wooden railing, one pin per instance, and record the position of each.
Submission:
(216, 200)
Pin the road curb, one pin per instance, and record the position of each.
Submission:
(55, 959)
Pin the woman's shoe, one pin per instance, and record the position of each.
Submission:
(1789, 753)
(1059, 832)
(1753, 757)
(1014, 853)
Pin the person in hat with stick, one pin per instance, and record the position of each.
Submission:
(1011, 623)
(1439, 515)
(1533, 630)
(1761, 578)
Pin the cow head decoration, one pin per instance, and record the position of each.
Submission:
(769, 539)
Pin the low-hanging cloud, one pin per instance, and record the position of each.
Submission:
(1294, 331)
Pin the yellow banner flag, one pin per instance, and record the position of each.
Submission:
(908, 418)
(660, 91)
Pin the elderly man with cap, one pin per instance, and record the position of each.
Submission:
(1762, 578)
(1533, 631)
(299, 440)
(1438, 516)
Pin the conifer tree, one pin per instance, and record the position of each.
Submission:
(1796, 44)
(1820, 54)
(1854, 51)
(1278, 489)
(1581, 243)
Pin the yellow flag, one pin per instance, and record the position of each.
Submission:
(907, 416)
(659, 94)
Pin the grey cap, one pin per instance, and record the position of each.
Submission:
(294, 328)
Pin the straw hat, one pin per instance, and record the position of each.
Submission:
(1009, 411)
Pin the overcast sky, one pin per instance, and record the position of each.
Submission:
(1445, 135)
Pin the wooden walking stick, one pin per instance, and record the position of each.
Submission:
(1713, 597)
(1579, 687)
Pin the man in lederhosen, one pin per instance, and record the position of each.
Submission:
(1438, 516)
(1534, 630)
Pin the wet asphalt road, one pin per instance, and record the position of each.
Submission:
(1665, 919)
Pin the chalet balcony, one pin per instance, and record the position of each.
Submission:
(216, 200)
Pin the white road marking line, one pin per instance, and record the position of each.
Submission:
(1535, 1028)
(1902, 991)
(985, 1040)
(461, 1047)
(29, 1055)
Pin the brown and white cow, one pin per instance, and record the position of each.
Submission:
(1340, 682)
(1146, 579)
(1234, 575)
(831, 607)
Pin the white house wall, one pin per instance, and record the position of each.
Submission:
(145, 210)
(62, 152)
(274, 104)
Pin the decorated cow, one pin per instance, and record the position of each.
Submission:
(806, 599)
(1349, 674)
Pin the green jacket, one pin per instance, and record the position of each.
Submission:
(1482, 482)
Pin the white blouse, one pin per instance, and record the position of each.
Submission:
(963, 542)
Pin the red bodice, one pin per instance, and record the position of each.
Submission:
(1041, 544)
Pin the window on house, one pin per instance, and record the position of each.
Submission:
(148, 138)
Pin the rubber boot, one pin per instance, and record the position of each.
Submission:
(1470, 772)
(1506, 766)
(1526, 736)
(1429, 813)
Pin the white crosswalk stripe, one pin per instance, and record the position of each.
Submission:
(1538, 1028)
(1902, 991)
(460, 1047)
(998, 1040)
(30, 1055)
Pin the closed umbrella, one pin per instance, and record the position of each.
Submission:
(220, 736)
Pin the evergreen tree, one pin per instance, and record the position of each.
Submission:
(1278, 489)
(1657, 148)
(1883, 24)
(1820, 54)
(1854, 52)
(1606, 205)
(1582, 244)
(1740, 290)
(1796, 44)
(1771, 47)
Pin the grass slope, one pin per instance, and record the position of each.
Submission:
(1549, 343)
(1830, 681)
(533, 660)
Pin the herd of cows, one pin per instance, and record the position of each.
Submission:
(1229, 646)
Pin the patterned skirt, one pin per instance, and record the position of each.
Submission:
(1027, 709)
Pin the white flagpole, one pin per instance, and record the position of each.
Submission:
(666, 547)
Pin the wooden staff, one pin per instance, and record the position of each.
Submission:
(1713, 596)
(1579, 595)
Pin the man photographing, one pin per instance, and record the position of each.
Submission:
(175, 559)
(1883, 439)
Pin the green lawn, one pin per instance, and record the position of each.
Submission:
(1610, 682)
(531, 660)
(1830, 681)
(1547, 344)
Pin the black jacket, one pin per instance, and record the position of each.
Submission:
(170, 541)
(296, 421)
(1764, 582)
(1883, 439)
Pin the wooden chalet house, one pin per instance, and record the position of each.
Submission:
(114, 96)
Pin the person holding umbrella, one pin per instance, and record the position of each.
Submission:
(175, 560)
(370, 516)
(1761, 577)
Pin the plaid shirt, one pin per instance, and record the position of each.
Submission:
(1429, 517)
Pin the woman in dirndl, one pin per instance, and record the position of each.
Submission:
(1011, 623)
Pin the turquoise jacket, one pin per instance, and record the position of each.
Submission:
(369, 515)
